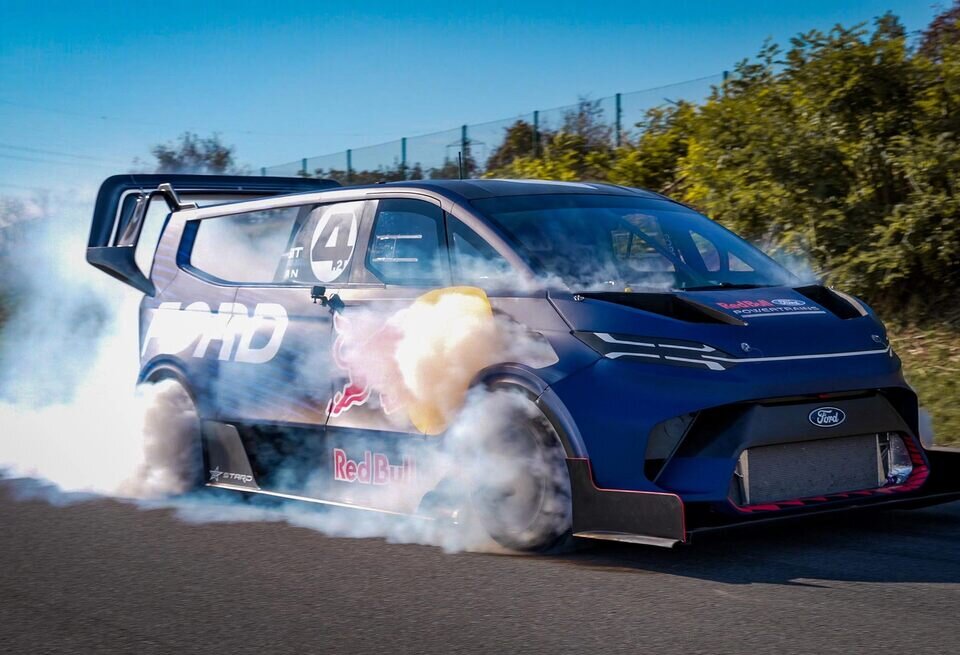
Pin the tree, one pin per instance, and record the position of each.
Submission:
(652, 161)
(195, 154)
(842, 148)
(580, 150)
(943, 31)
(518, 141)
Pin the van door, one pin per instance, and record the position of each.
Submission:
(374, 446)
(277, 388)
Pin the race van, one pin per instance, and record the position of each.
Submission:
(693, 383)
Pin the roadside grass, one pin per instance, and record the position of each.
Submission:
(931, 364)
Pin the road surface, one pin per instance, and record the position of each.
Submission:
(104, 576)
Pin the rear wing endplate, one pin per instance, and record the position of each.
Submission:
(123, 200)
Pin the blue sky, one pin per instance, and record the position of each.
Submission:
(86, 87)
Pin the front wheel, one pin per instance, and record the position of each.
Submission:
(520, 484)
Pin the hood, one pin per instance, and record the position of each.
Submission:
(762, 322)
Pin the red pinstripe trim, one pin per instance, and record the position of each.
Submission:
(916, 479)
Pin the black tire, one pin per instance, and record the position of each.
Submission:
(525, 504)
(173, 445)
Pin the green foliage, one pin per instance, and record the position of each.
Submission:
(579, 150)
(517, 142)
(931, 363)
(652, 162)
(844, 147)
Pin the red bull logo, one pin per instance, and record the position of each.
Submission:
(374, 469)
(356, 391)
(746, 304)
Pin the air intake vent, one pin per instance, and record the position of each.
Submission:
(840, 305)
(667, 304)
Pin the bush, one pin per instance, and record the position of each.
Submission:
(844, 148)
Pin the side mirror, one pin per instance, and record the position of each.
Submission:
(336, 305)
(333, 302)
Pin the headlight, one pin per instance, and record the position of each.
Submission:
(895, 458)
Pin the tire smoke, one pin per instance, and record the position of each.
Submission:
(74, 418)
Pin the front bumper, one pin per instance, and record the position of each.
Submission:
(663, 519)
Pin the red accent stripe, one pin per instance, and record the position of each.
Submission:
(917, 477)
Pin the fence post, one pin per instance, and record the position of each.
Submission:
(263, 171)
(349, 166)
(619, 119)
(303, 167)
(536, 133)
(403, 157)
(464, 150)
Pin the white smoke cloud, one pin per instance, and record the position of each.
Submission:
(73, 418)
(69, 409)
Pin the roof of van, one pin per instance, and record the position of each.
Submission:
(474, 189)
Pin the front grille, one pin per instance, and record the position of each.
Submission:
(768, 474)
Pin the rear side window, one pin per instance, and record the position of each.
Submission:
(243, 248)
(407, 245)
(156, 218)
(475, 261)
(288, 245)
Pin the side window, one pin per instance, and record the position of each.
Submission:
(156, 219)
(474, 260)
(708, 252)
(738, 265)
(243, 248)
(322, 244)
(407, 245)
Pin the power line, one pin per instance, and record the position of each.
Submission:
(168, 126)
(76, 164)
(7, 185)
(56, 153)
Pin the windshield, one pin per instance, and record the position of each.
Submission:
(599, 242)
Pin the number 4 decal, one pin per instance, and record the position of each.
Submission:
(333, 241)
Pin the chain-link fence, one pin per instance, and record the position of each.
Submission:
(485, 147)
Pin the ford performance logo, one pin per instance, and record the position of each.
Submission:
(788, 302)
(827, 417)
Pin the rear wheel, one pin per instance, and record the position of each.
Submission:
(172, 448)
(521, 493)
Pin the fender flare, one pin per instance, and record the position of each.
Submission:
(164, 368)
(539, 392)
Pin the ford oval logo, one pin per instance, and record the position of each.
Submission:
(827, 417)
(788, 302)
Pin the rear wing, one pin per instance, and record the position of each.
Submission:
(123, 200)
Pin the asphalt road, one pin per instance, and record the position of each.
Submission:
(103, 576)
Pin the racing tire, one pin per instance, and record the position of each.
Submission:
(172, 439)
(523, 499)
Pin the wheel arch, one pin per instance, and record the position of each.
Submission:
(170, 369)
(539, 392)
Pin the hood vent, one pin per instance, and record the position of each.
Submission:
(839, 304)
(667, 304)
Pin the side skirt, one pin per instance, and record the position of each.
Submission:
(627, 538)
(316, 501)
